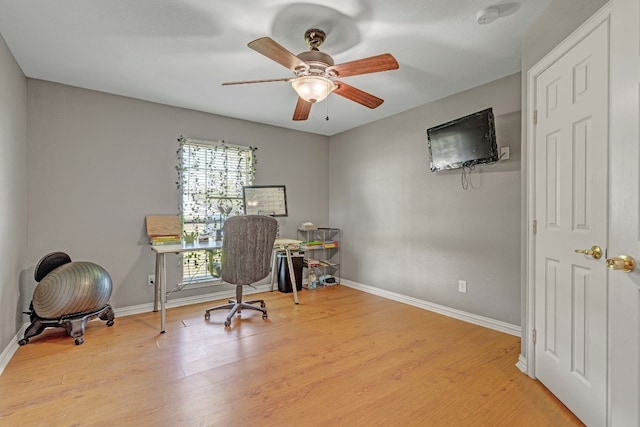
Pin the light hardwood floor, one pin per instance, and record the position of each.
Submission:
(340, 358)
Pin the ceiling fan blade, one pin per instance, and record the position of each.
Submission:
(373, 64)
(302, 110)
(273, 50)
(286, 79)
(357, 95)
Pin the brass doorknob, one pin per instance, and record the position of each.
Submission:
(595, 252)
(623, 262)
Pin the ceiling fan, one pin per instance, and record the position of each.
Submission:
(315, 72)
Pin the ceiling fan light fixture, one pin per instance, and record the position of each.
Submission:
(313, 88)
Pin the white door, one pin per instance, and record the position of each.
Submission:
(624, 288)
(571, 208)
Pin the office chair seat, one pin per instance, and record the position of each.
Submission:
(247, 246)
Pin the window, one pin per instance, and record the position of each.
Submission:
(210, 180)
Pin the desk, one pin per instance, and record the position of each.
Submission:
(160, 286)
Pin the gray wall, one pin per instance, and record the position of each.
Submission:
(414, 232)
(99, 163)
(13, 197)
(557, 21)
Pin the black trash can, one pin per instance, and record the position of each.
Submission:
(284, 280)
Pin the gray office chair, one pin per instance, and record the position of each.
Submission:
(247, 245)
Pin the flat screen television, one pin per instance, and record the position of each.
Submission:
(463, 142)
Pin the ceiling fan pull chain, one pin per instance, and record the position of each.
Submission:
(327, 118)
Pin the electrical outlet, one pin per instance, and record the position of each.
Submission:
(151, 280)
(504, 153)
(462, 286)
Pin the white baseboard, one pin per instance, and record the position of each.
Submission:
(10, 350)
(487, 322)
(522, 364)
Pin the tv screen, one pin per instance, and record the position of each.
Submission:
(463, 142)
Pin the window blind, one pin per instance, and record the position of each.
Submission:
(210, 179)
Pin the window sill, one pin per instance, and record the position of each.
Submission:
(198, 283)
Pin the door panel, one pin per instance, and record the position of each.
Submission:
(581, 174)
(551, 309)
(571, 198)
(580, 298)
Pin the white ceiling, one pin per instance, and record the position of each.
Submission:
(179, 52)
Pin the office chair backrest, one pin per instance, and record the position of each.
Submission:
(246, 248)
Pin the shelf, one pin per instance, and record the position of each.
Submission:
(316, 248)
(322, 257)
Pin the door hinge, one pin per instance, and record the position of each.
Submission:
(535, 117)
(534, 336)
(535, 226)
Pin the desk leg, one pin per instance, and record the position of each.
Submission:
(163, 294)
(156, 285)
(292, 276)
(274, 267)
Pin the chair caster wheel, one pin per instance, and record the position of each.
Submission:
(264, 317)
(262, 305)
(207, 316)
(23, 341)
(110, 323)
(227, 323)
(79, 341)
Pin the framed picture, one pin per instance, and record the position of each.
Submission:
(268, 200)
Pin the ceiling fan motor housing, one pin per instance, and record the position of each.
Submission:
(316, 61)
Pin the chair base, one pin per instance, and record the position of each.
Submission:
(237, 306)
(73, 323)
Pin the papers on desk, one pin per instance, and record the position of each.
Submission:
(287, 244)
(164, 240)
